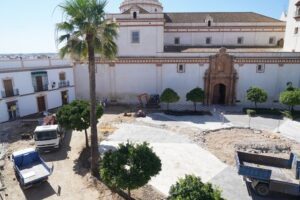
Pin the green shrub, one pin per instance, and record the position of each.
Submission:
(251, 112)
(192, 188)
(196, 96)
(290, 98)
(257, 95)
(169, 96)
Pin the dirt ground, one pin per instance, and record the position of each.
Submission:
(69, 173)
(73, 177)
(224, 143)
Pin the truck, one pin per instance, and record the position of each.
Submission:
(49, 135)
(266, 174)
(30, 168)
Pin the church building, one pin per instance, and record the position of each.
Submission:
(224, 53)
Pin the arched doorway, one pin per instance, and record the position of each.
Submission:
(219, 96)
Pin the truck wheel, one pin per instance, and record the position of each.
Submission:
(262, 189)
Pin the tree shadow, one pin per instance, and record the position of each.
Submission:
(82, 164)
(215, 118)
(62, 152)
(42, 191)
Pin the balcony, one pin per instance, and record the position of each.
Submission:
(10, 93)
(62, 84)
(40, 88)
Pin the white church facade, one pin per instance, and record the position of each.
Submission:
(223, 53)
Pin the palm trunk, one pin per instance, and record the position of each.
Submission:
(129, 193)
(86, 139)
(93, 118)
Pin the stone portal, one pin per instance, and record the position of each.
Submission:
(220, 80)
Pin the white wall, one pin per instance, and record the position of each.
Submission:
(183, 82)
(274, 80)
(151, 41)
(223, 38)
(292, 41)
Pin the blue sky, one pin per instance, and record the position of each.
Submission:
(28, 26)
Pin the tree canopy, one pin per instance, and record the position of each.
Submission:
(191, 188)
(257, 95)
(130, 166)
(76, 116)
(290, 98)
(196, 95)
(169, 96)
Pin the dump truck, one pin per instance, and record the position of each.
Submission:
(30, 168)
(266, 174)
(49, 135)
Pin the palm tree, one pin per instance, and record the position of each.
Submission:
(86, 32)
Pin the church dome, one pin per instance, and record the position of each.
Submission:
(152, 6)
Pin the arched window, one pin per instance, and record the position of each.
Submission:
(209, 23)
(134, 15)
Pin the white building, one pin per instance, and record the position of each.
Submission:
(292, 37)
(182, 51)
(34, 85)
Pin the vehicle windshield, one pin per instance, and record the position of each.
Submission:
(45, 135)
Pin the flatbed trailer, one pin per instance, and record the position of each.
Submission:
(30, 168)
(267, 174)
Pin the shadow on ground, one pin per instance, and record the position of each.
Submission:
(62, 152)
(203, 119)
(42, 191)
(273, 196)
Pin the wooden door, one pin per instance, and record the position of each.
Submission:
(8, 87)
(41, 104)
(39, 83)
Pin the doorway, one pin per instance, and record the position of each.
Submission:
(219, 94)
(12, 110)
(8, 88)
(64, 97)
(41, 103)
(39, 83)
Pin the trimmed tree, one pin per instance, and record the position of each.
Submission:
(130, 166)
(290, 98)
(169, 96)
(257, 95)
(196, 96)
(85, 32)
(191, 187)
(76, 116)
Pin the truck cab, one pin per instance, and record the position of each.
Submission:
(48, 137)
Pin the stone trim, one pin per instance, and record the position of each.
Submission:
(195, 60)
(270, 60)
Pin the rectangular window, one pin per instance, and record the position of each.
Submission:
(177, 40)
(62, 76)
(260, 68)
(272, 40)
(180, 68)
(296, 30)
(240, 40)
(135, 37)
(208, 40)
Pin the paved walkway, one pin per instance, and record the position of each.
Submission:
(179, 157)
